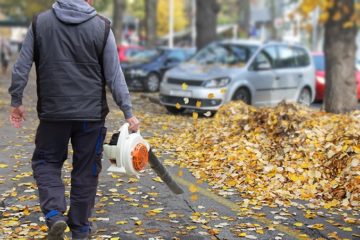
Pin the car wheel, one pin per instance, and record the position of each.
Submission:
(305, 97)
(174, 110)
(152, 83)
(242, 94)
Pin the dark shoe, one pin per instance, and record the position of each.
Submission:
(92, 231)
(57, 230)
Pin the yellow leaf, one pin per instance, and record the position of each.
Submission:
(180, 173)
(298, 224)
(346, 229)
(191, 228)
(211, 95)
(157, 179)
(207, 114)
(138, 223)
(44, 228)
(317, 226)
(223, 90)
(350, 220)
(26, 211)
(242, 234)
(194, 197)
(198, 104)
(195, 115)
(348, 24)
(133, 180)
(193, 188)
(121, 222)
(184, 86)
(324, 16)
(3, 165)
(331, 204)
(157, 210)
(231, 183)
(178, 106)
(337, 16)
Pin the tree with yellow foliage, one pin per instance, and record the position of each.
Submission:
(340, 18)
(180, 20)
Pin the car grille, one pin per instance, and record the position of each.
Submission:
(192, 101)
(181, 81)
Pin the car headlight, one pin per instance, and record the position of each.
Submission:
(217, 83)
(321, 80)
(137, 72)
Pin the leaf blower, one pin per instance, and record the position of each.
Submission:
(129, 154)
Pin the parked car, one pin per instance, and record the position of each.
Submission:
(147, 68)
(319, 60)
(256, 73)
(127, 52)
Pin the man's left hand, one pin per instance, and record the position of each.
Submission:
(17, 116)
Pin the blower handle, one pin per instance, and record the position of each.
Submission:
(125, 128)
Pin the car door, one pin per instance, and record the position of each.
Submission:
(289, 74)
(261, 76)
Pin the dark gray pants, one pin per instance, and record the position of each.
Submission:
(52, 139)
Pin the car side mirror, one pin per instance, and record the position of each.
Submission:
(262, 66)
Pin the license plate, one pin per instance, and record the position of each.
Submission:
(180, 93)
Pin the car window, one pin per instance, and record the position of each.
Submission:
(287, 57)
(179, 55)
(267, 56)
(223, 53)
(146, 55)
(302, 57)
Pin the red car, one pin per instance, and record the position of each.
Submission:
(319, 61)
(126, 52)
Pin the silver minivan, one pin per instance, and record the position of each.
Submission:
(256, 73)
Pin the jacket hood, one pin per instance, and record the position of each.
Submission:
(73, 11)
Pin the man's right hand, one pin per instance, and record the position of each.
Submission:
(134, 124)
(17, 116)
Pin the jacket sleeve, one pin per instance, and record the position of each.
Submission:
(114, 76)
(21, 70)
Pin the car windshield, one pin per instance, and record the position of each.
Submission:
(319, 63)
(227, 54)
(145, 55)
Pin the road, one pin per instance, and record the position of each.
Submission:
(131, 208)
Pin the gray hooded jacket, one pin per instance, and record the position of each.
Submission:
(73, 12)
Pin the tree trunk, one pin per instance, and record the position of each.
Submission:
(340, 48)
(151, 22)
(244, 17)
(206, 18)
(119, 9)
(273, 17)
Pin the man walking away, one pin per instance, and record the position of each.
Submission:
(75, 55)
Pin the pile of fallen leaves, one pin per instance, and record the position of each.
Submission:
(275, 154)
